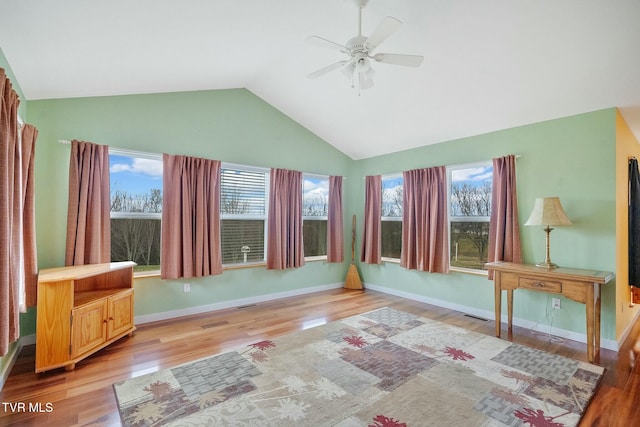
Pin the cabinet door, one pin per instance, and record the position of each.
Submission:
(89, 328)
(120, 313)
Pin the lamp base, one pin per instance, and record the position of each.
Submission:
(547, 265)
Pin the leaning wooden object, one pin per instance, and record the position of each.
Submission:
(353, 278)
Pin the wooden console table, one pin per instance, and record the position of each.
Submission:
(582, 286)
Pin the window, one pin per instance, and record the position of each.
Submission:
(136, 208)
(243, 212)
(315, 208)
(469, 214)
(392, 216)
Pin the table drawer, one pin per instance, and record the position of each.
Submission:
(540, 285)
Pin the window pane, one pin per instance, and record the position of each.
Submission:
(469, 244)
(391, 239)
(242, 241)
(315, 196)
(471, 191)
(242, 192)
(243, 210)
(392, 196)
(315, 237)
(136, 240)
(136, 209)
(315, 208)
(470, 209)
(136, 184)
(391, 208)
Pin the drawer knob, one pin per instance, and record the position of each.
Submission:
(539, 285)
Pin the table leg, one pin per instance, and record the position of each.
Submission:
(590, 303)
(498, 302)
(598, 302)
(510, 311)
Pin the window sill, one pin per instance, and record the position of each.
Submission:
(156, 273)
(315, 258)
(243, 266)
(469, 271)
(145, 274)
(456, 269)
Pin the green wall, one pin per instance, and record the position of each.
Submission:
(229, 125)
(573, 158)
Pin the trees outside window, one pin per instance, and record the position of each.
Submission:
(392, 216)
(243, 210)
(136, 208)
(469, 214)
(315, 211)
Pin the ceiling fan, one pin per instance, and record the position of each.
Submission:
(360, 48)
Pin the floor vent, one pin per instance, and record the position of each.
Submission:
(241, 307)
(213, 325)
(476, 317)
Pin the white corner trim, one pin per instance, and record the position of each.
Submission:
(627, 331)
(13, 356)
(485, 314)
(155, 317)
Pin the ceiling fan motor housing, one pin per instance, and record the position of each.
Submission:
(357, 45)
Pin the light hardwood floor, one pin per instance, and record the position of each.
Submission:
(85, 396)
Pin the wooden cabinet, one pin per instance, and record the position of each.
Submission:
(82, 309)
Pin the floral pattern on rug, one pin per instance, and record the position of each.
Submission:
(385, 368)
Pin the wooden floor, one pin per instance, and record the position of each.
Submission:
(85, 396)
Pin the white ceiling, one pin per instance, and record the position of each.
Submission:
(489, 64)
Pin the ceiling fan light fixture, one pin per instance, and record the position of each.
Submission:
(368, 74)
(362, 64)
(360, 50)
(349, 70)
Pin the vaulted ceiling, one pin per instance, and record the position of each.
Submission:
(488, 64)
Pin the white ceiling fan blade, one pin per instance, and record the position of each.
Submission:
(324, 70)
(322, 42)
(399, 59)
(385, 28)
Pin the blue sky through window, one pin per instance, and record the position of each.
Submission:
(474, 176)
(315, 195)
(134, 175)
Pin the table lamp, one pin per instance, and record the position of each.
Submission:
(547, 212)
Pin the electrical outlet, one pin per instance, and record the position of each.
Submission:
(555, 303)
(187, 287)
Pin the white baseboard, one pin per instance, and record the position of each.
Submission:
(487, 314)
(155, 317)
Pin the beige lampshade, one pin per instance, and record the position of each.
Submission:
(548, 211)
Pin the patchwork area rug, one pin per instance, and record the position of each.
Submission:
(384, 368)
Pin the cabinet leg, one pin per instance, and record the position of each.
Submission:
(70, 367)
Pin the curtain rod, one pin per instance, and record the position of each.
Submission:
(517, 156)
(66, 141)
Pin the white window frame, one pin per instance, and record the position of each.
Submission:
(264, 218)
(315, 218)
(451, 218)
(137, 215)
(391, 218)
